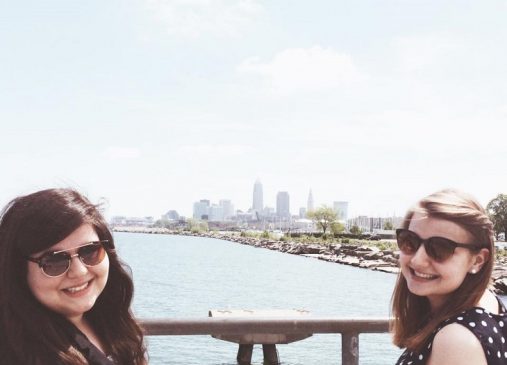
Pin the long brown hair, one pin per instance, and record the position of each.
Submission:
(412, 323)
(30, 332)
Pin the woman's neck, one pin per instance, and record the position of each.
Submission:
(84, 326)
(489, 302)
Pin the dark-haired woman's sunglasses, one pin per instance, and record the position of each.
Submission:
(438, 248)
(57, 263)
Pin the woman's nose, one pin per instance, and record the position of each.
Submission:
(76, 268)
(420, 256)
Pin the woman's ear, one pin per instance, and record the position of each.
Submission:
(479, 260)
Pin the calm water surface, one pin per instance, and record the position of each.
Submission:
(178, 276)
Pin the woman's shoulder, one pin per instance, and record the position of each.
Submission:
(456, 344)
(471, 333)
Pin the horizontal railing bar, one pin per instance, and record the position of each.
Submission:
(239, 325)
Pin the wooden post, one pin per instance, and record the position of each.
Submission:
(244, 354)
(350, 348)
(270, 355)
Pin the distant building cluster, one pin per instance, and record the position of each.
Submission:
(374, 224)
(259, 216)
(132, 221)
(204, 210)
(224, 211)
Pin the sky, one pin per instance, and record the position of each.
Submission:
(151, 105)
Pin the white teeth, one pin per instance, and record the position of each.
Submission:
(423, 275)
(77, 288)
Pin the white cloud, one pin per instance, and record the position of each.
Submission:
(298, 70)
(425, 52)
(195, 18)
(121, 153)
(213, 150)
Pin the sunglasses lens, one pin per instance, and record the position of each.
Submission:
(408, 243)
(92, 254)
(55, 264)
(439, 249)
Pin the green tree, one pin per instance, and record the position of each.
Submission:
(337, 227)
(195, 225)
(497, 210)
(323, 217)
(355, 230)
(388, 226)
(164, 223)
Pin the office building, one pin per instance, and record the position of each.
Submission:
(341, 209)
(258, 202)
(310, 206)
(228, 208)
(302, 212)
(201, 209)
(283, 204)
(216, 213)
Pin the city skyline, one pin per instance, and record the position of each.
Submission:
(154, 105)
(281, 208)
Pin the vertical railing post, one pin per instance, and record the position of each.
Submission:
(244, 356)
(350, 348)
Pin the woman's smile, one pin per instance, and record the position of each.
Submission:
(78, 290)
(420, 275)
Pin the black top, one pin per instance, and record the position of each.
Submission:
(490, 329)
(92, 354)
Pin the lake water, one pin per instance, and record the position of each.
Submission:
(179, 276)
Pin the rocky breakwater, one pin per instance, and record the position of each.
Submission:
(368, 257)
(500, 275)
(362, 256)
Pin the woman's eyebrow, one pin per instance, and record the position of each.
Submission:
(51, 250)
(87, 243)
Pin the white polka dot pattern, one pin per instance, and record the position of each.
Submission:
(489, 328)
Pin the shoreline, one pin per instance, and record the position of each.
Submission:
(362, 256)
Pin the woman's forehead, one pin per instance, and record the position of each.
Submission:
(83, 234)
(427, 226)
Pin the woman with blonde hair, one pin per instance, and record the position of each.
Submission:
(443, 311)
(64, 294)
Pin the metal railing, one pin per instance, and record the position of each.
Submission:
(348, 328)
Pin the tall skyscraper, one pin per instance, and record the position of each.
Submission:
(341, 210)
(282, 204)
(258, 203)
(309, 206)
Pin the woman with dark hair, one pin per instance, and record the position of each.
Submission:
(443, 311)
(64, 294)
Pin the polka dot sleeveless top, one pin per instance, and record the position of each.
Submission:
(489, 328)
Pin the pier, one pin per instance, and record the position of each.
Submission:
(350, 329)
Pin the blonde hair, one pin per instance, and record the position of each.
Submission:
(412, 323)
